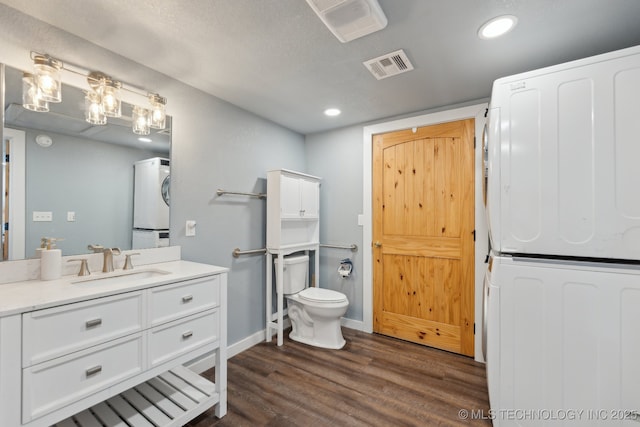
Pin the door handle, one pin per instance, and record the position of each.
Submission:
(377, 244)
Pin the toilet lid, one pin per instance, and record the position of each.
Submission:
(321, 295)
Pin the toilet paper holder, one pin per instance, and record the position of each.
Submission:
(345, 268)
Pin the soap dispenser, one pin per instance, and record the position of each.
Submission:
(50, 260)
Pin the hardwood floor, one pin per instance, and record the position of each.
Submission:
(373, 381)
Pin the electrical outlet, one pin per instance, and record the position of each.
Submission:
(39, 216)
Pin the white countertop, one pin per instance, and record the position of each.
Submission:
(29, 295)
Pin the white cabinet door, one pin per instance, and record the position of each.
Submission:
(299, 198)
(309, 194)
(289, 197)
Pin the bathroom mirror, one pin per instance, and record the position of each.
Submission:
(78, 177)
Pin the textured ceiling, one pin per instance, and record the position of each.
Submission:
(276, 59)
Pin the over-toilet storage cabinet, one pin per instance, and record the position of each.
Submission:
(116, 356)
(293, 225)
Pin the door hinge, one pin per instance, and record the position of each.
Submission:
(486, 111)
(474, 142)
(474, 235)
(6, 226)
(474, 328)
(6, 158)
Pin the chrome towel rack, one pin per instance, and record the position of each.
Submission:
(258, 195)
(237, 252)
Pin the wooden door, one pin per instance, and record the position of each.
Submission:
(423, 235)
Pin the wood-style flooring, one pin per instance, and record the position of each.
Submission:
(373, 381)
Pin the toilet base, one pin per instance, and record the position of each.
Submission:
(310, 341)
(316, 324)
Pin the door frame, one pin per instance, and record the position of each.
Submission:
(477, 112)
(17, 193)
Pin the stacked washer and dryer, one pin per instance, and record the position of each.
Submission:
(562, 288)
(151, 204)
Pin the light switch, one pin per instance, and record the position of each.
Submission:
(71, 216)
(190, 228)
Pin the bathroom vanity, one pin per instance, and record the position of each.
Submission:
(111, 347)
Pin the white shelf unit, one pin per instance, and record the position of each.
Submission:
(293, 225)
(168, 400)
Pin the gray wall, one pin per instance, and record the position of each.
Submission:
(336, 156)
(92, 179)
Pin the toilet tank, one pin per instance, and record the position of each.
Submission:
(296, 269)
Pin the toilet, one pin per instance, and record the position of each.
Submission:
(314, 312)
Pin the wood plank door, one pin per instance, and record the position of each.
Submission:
(423, 235)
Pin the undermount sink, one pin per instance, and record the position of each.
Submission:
(120, 277)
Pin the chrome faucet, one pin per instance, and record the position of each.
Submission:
(107, 265)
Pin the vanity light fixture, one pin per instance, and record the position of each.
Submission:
(109, 92)
(157, 114)
(93, 109)
(31, 95)
(102, 99)
(48, 77)
(497, 27)
(140, 119)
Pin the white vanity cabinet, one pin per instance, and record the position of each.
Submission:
(107, 358)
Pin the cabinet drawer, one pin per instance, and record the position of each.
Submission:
(169, 341)
(59, 382)
(181, 299)
(61, 330)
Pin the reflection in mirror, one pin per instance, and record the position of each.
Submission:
(79, 178)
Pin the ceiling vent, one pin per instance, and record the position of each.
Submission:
(350, 19)
(389, 65)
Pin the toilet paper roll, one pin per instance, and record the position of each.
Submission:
(51, 264)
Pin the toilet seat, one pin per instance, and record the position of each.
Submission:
(321, 295)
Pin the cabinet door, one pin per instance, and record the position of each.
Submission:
(309, 194)
(289, 197)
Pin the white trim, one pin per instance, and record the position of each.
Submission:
(475, 112)
(352, 324)
(17, 193)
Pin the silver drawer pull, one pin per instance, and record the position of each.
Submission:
(94, 370)
(187, 334)
(93, 322)
(187, 298)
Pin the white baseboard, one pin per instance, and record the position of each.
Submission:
(358, 325)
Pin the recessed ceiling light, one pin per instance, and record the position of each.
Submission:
(331, 112)
(142, 139)
(497, 27)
